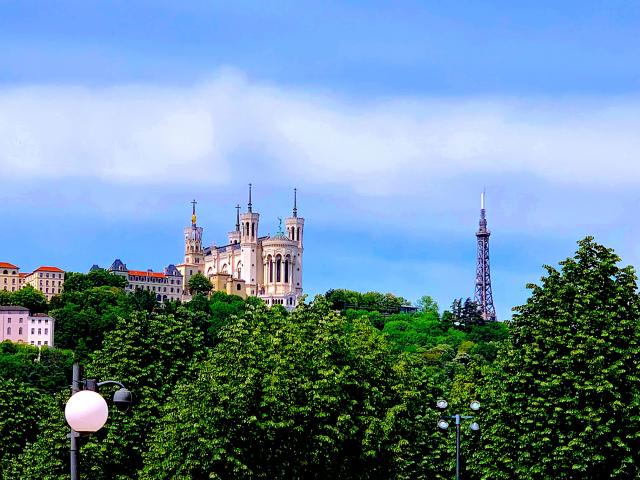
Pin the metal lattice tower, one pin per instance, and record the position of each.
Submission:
(483, 295)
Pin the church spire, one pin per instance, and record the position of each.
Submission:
(237, 217)
(295, 203)
(250, 210)
(193, 213)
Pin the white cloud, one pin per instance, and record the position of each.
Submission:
(148, 135)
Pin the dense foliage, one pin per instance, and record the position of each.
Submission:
(342, 387)
(342, 299)
(198, 283)
(564, 392)
(27, 297)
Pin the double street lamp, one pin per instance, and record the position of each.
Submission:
(443, 424)
(87, 411)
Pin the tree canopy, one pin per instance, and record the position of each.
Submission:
(343, 387)
(564, 392)
(198, 283)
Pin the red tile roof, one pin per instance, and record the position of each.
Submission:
(142, 273)
(49, 269)
(23, 275)
(7, 265)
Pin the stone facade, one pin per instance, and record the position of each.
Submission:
(17, 325)
(9, 277)
(166, 285)
(269, 267)
(48, 280)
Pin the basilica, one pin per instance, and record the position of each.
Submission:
(268, 267)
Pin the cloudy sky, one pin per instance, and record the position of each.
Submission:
(389, 117)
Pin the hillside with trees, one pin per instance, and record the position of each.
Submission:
(342, 387)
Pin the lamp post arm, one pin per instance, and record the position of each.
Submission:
(110, 382)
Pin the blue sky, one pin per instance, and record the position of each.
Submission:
(390, 118)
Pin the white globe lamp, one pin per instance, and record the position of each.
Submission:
(86, 411)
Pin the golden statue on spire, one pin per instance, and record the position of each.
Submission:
(193, 214)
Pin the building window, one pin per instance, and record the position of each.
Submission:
(46, 331)
(39, 331)
(32, 342)
(8, 330)
(238, 287)
(33, 331)
(8, 320)
(39, 342)
(46, 342)
(20, 321)
(20, 331)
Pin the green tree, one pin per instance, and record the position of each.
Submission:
(83, 317)
(426, 304)
(45, 455)
(46, 369)
(200, 284)
(20, 406)
(564, 393)
(149, 353)
(30, 298)
(78, 282)
(304, 395)
(143, 300)
(466, 314)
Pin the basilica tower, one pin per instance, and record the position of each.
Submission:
(247, 266)
(193, 251)
(234, 235)
(295, 232)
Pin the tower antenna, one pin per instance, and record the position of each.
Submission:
(483, 295)
(238, 217)
(250, 199)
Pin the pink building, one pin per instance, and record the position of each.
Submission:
(17, 325)
(40, 330)
(14, 322)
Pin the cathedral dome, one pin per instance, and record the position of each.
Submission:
(279, 236)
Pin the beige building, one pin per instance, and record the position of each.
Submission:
(48, 280)
(165, 285)
(270, 267)
(224, 282)
(9, 277)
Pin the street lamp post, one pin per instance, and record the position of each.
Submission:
(443, 424)
(87, 411)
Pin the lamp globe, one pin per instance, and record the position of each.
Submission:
(86, 411)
